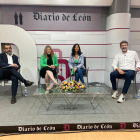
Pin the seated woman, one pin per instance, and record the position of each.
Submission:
(48, 66)
(76, 63)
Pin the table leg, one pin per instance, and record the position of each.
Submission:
(49, 102)
(76, 100)
(70, 102)
(92, 101)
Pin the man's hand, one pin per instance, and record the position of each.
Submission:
(138, 69)
(14, 65)
(75, 69)
(120, 71)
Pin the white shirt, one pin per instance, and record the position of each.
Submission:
(10, 59)
(126, 61)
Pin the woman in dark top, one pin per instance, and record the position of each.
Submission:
(48, 66)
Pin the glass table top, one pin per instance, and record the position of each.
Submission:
(94, 94)
(91, 89)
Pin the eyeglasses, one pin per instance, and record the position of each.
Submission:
(8, 48)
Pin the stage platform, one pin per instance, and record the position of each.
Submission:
(30, 111)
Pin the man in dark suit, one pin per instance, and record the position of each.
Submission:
(9, 67)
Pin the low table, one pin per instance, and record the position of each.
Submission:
(93, 93)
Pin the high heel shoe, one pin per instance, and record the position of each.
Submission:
(49, 87)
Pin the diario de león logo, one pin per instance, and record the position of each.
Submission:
(122, 125)
(66, 127)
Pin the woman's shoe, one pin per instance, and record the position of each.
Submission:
(49, 87)
(47, 91)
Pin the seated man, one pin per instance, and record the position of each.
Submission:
(9, 66)
(124, 67)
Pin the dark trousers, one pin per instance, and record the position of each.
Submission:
(129, 75)
(13, 75)
(79, 75)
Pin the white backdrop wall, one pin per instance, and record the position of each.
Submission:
(134, 40)
(118, 28)
(92, 45)
(99, 47)
(28, 57)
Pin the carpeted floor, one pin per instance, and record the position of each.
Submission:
(29, 110)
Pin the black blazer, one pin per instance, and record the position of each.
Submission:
(4, 62)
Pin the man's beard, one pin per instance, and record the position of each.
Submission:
(124, 50)
(9, 52)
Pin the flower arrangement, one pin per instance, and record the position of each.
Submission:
(72, 86)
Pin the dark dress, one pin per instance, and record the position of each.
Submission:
(44, 69)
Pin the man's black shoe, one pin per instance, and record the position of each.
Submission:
(28, 83)
(13, 99)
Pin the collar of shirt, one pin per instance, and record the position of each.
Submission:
(9, 55)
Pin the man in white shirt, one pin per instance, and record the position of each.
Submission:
(8, 70)
(125, 65)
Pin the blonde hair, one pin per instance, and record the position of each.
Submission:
(45, 51)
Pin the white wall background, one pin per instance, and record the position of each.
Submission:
(96, 46)
(117, 30)
(26, 49)
(92, 45)
(134, 39)
(134, 3)
(58, 2)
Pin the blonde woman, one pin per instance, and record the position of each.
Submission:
(48, 66)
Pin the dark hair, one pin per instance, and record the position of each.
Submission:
(73, 50)
(7, 44)
(123, 42)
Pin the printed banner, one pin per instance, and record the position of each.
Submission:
(53, 21)
(68, 127)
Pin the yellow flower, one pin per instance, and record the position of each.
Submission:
(63, 87)
(68, 84)
(77, 87)
(73, 83)
(65, 83)
(67, 87)
(79, 84)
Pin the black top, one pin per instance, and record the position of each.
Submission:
(49, 60)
